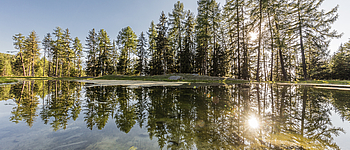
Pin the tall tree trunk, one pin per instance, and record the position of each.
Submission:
(33, 74)
(281, 55)
(302, 44)
(245, 69)
(49, 73)
(68, 68)
(215, 63)
(60, 69)
(24, 70)
(44, 63)
(56, 69)
(206, 53)
(258, 65)
(271, 32)
(238, 41)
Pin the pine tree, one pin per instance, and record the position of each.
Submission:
(203, 36)
(104, 65)
(142, 53)
(47, 43)
(78, 52)
(163, 57)
(67, 53)
(20, 45)
(313, 33)
(152, 35)
(32, 50)
(91, 46)
(340, 63)
(257, 17)
(58, 48)
(215, 20)
(127, 43)
(186, 58)
(176, 19)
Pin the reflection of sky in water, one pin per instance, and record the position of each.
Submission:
(75, 136)
(343, 139)
(215, 114)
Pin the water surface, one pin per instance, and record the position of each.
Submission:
(72, 115)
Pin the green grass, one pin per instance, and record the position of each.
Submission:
(326, 81)
(46, 78)
(6, 80)
(186, 78)
(344, 82)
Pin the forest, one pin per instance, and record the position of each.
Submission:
(275, 40)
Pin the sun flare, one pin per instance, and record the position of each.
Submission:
(253, 123)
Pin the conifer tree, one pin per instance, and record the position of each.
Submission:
(127, 43)
(20, 45)
(78, 52)
(176, 19)
(104, 65)
(91, 46)
(32, 50)
(163, 57)
(57, 48)
(215, 20)
(313, 33)
(67, 53)
(141, 67)
(340, 63)
(186, 58)
(152, 35)
(203, 37)
(47, 43)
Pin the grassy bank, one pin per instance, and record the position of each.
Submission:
(343, 82)
(7, 80)
(186, 78)
(49, 78)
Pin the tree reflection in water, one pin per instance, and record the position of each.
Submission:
(237, 116)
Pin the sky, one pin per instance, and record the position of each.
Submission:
(80, 16)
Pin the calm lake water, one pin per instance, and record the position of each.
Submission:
(71, 115)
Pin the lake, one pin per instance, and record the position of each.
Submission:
(65, 115)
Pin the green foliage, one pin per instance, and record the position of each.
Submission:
(176, 29)
(104, 64)
(91, 63)
(77, 61)
(142, 53)
(31, 53)
(127, 43)
(152, 34)
(164, 56)
(186, 56)
(5, 64)
(340, 63)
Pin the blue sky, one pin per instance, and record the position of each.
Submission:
(80, 16)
